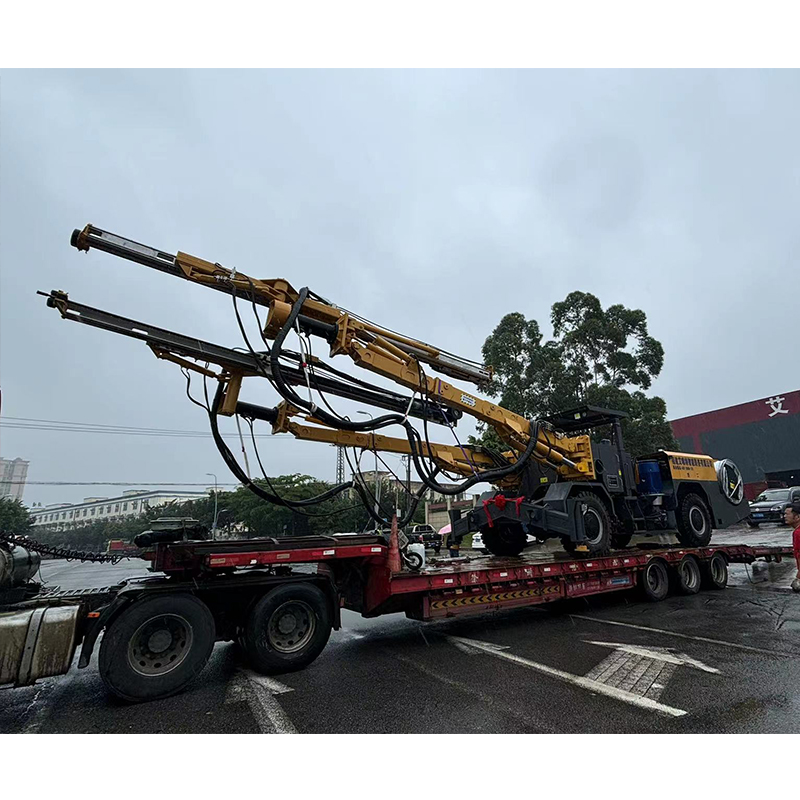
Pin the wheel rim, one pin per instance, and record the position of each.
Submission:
(689, 576)
(291, 626)
(697, 520)
(160, 645)
(653, 578)
(592, 525)
(717, 570)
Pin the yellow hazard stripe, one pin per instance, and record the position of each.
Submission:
(484, 599)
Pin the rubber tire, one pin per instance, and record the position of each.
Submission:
(265, 659)
(752, 524)
(687, 535)
(117, 674)
(688, 576)
(715, 574)
(621, 541)
(415, 561)
(658, 569)
(504, 539)
(603, 544)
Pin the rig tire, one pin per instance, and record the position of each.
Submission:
(504, 539)
(694, 521)
(597, 523)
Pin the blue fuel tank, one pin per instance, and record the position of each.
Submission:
(649, 478)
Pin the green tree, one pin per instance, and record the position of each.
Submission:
(14, 516)
(243, 513)
(597, 356)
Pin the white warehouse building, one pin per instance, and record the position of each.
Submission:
(132, 503)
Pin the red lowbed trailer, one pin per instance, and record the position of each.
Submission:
(280, 599)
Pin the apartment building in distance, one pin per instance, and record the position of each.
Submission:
(131, 503)
(13, 474)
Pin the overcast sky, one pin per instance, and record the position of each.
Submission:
(432, 202)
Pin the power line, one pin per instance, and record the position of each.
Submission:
(26, 423)
(106, 483)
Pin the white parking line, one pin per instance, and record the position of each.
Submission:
(688, 636)
(576, 680)
(259, 691)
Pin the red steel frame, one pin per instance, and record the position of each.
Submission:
(452, 588)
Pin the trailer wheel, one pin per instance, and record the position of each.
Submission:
(655, 581)
(715, 572)
(687, 576)
(596, 523)
(156, 647)
(694, 521)
(288, 628)
(751, 524)
(504, 539)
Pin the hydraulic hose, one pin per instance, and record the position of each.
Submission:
(414, 440)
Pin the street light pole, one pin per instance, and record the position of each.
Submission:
(216, 498)
(377, 479)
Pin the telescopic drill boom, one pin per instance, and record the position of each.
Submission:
(554, 479)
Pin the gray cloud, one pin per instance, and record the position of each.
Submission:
(433, 202)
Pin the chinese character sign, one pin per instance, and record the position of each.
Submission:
(776, 404)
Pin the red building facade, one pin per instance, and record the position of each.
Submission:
(762, 437)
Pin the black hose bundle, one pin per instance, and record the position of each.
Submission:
(414, 439)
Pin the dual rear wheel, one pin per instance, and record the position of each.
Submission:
(158, 645)
(686, 577)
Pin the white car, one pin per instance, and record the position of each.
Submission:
(477, 542)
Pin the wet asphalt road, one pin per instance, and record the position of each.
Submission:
(725, 662)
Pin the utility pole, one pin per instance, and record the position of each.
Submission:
(216, 500)
(339, 464)
(408, 483)
(377, 477)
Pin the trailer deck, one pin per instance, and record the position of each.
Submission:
(280, 599)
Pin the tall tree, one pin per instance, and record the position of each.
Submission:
(14, 517)
(603, 357)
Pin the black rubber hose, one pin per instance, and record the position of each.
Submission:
(239, 473)
(379, 422)
(487, 476)
(289, 394)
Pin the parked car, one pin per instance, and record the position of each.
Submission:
(427, 535)
(770, 505)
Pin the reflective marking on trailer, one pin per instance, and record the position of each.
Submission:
(254, 561)
(329, 552)
(576, 680)
(503, 574)
(497, 597)
(449, 580)
(546, 569)
(375, 549)
(284, 555)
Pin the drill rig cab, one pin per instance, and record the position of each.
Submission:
(565, 476)
(665, 491)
